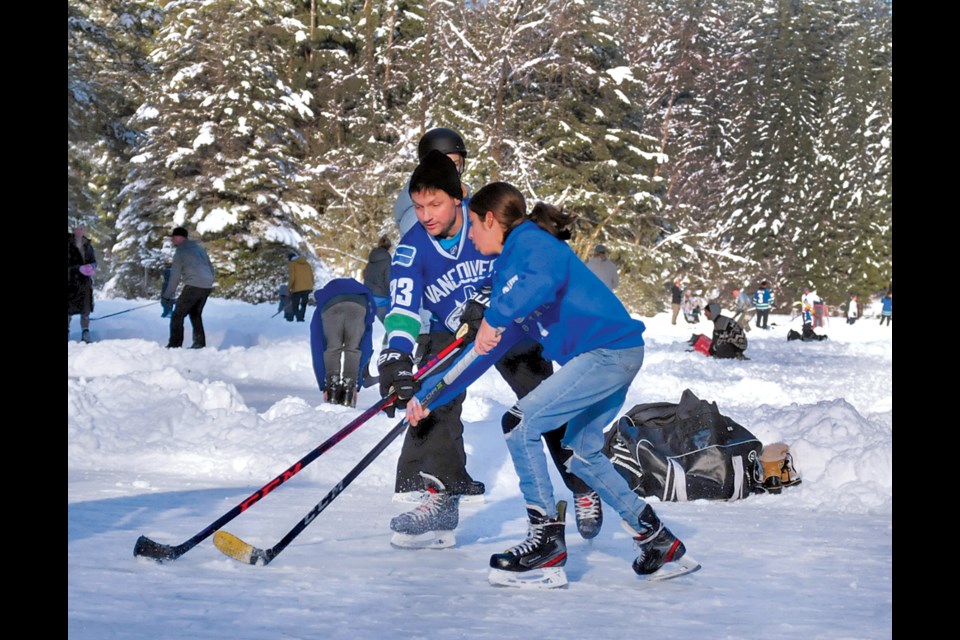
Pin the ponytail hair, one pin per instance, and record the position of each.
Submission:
(553, 220)
(510, 209)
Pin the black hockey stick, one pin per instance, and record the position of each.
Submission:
(237, 549)
(147, 548)
(110, 315)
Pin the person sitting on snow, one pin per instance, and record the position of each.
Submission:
(807, 314)
(729, 339)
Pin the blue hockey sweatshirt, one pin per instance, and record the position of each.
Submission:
(573, 311)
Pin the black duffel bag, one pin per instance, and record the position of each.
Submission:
(685, 451)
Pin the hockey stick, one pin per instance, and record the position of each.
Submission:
(147, 548)
(110, 315)
(242, 551)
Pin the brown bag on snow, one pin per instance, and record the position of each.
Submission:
(778, 469)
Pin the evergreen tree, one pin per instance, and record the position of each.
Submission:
(220, 152)
(732, 140)
(106, 69)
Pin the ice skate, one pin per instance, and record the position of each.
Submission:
(537, 562)
(430, 525)
(661, 555)
(589, 514)
(349, 393)
(334, 391)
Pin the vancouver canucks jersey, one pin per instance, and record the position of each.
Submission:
(441, 279)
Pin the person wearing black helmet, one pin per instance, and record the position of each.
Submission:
(446, 141)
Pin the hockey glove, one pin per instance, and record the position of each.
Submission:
(473, 310)
(396, 376)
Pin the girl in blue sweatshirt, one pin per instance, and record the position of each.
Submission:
(542, 285)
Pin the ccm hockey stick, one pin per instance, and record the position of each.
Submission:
(237, 549)
(147, 548)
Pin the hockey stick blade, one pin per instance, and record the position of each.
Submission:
(147, 548)
(237, 549)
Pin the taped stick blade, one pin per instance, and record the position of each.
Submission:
(234, 547)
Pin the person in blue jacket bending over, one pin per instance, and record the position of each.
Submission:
(341, 338)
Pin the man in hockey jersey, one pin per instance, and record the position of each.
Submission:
(437, 266)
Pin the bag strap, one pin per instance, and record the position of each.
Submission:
(675, 486)
(737, 478)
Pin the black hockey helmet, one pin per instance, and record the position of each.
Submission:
(443, 140)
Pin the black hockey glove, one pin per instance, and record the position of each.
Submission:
(472, 313)
(396, 376)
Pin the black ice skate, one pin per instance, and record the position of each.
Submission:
(431, 525)
(661, 555)
(334, 391)
(349, 393)
(589, 514)
(537, 562)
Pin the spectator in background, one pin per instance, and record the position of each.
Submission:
(166, 303)
(299, 286)
(341, 341)
(691, 307)
(729, 339)
(376, 275)
(284, 294)
(819, 309)
(853, 309)
(192, 266)
(676, 297)
(763, 301)
(743, 306)
(807, 334)
(603, 267)
(81, 267)
(887, 312)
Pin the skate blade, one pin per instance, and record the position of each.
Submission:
(415, 497)
(548, 578)
(677, 568)
(428, 540)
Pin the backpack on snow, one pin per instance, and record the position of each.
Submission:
(685, 451)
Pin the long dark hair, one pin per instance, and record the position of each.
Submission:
(510, 209)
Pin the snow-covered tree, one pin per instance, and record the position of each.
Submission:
(221, 153)
(731, 140)
(106, 68)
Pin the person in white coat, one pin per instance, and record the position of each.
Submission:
(853, 309)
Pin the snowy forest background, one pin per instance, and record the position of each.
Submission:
(726, 141)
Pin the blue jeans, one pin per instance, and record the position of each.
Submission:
(586, 393)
